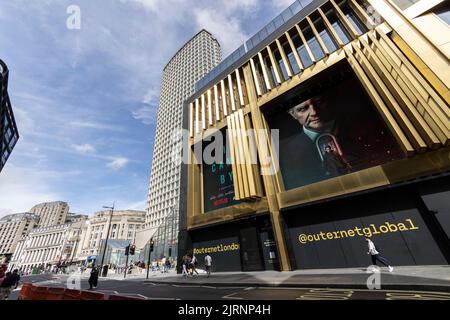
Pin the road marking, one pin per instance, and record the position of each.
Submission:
(155, 284)
(358, 290)
(186, 286)
(416, 296)
(230, 296)
(47, 282)
(209, 287)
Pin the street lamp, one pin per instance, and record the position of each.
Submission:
(107, 233)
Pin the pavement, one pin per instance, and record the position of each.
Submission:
(404, 283)
(424, 278)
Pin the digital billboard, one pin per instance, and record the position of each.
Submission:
(328, 131)
(218, 186)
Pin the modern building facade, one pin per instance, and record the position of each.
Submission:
(51, 213)
(194, 60)
(12, 228)
(335, 125)
(124, 225)
(48, 247)
(8, 128)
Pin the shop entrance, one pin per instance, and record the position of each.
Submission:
(246, 245)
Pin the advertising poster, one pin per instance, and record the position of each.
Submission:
(402, 236)
(225, 253)
(330, 132)
(218, 187)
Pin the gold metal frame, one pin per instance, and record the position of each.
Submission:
(405, 75)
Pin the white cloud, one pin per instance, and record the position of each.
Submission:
(118, 163)
(139, 205)
(146, 114)
(151, 5)
(151, 96)
(227, 29)
(84, 148)
(22, 188)
(94, 125)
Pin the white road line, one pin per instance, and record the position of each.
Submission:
(155, 284)
(229, 296)
(185, 286)
(46, 282)
(358, 290)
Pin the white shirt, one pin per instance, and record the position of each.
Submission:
(208, 261)
(313, 135)
(372, 249)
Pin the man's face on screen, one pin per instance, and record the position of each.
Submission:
(311, 114)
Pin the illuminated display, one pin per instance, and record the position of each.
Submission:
(330, 132)
(218, 181)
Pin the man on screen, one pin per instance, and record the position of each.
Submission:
(339, 133)
(320, 127)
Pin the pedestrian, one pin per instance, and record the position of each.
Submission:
(163, 264)
(11, 280)
(375, 255)
(194, 264)
(184, 264)
(168, 264)
(93, 279)
(208, 263)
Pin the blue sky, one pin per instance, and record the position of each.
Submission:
(86, 100)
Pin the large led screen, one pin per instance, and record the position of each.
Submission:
(328, 131)
(218, 187)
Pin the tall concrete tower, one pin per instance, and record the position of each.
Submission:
(194, 60)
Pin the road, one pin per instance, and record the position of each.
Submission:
(159, 291)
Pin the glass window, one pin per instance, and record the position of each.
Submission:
(341, 31)
(295, 7)
(356, 23)
(444, 14)
(287, 14)
(304, 56)
(404, 4)
(326, 37)
(278, 21)
(313, 44)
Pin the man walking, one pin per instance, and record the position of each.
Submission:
(375, 255)
(185, 264)
(194, 263)
(11, 280)
(208, 262)
(93, 279)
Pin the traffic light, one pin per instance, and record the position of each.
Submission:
(127, 250)
(152, 244)
(132, 248)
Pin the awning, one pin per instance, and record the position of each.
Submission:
(143, 237)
